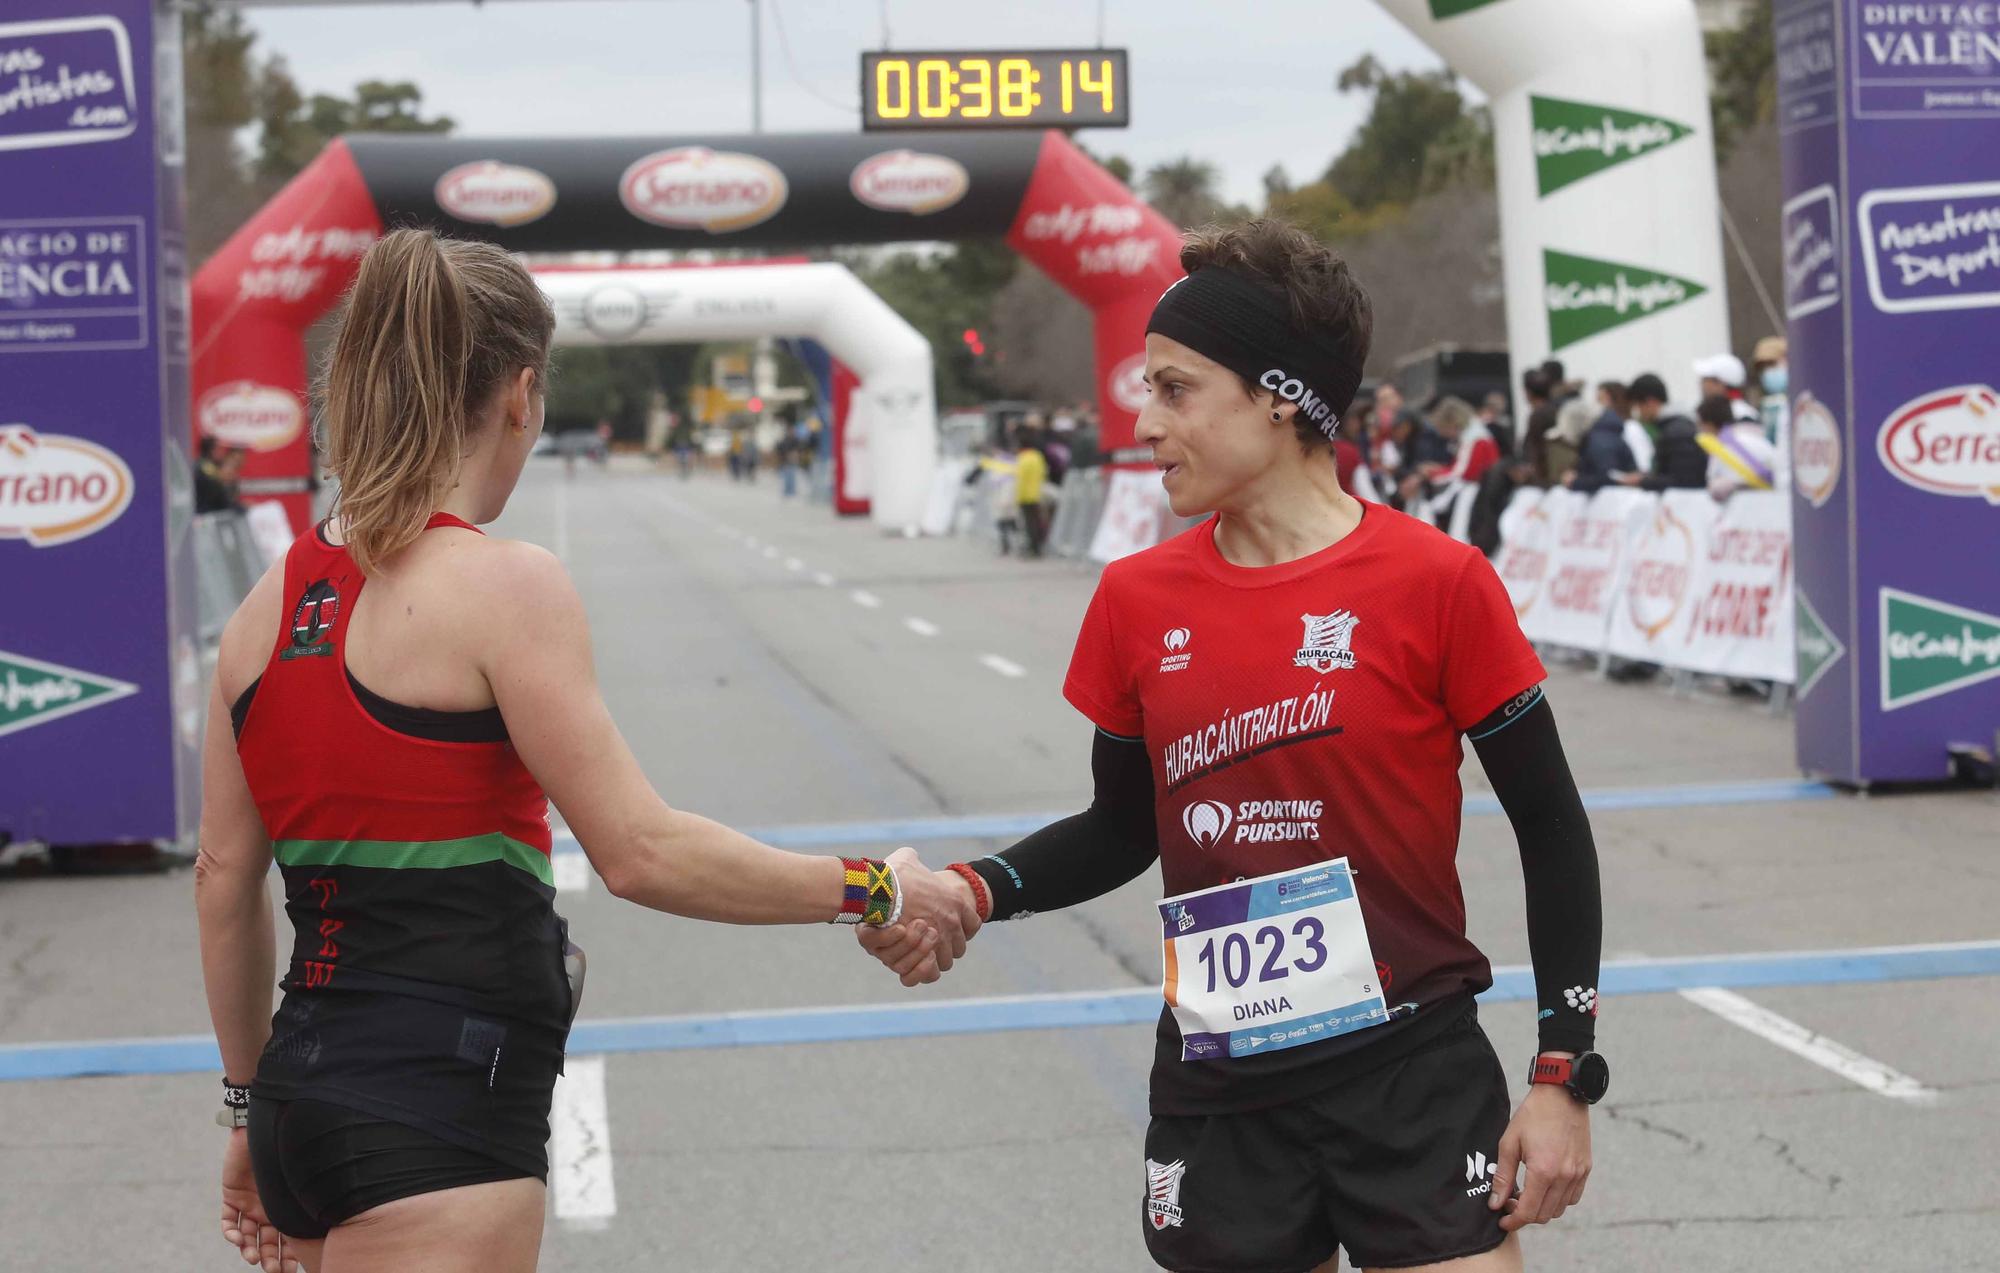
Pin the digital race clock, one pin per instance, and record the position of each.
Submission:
(1025, 88)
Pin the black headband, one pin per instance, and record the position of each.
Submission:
(1247, 327)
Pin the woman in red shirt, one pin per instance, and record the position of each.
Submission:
(1280, 698)
(391, 703)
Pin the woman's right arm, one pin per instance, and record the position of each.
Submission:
(536, 656)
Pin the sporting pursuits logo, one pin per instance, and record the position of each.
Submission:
(1328, 641)
(1177, 656)
(1163, 1192)
(312, 621)
(1206, 822)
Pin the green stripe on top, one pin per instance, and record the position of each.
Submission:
(423, 855)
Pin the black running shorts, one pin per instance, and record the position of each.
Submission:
(1394, 1166)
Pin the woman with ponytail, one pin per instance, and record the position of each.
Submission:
(395, 706)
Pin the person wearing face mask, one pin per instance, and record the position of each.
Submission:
(1773, 375)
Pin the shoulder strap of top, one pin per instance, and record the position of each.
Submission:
(448, 519)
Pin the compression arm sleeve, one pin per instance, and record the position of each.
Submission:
(1524, 761)
(1103, 848)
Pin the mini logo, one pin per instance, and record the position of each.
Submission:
(1163, 1192)
(1477, 1171)
(1582, 998)
(1932, 647)
(906, 181)
(495, 193)
(695, 188)
(34, 693)
(1128, 383)
(614, 312)
(312, 621)
(1815, 451)
(1177, 655)
(1206, 822)
(1946, 442)
(1819, 648)
(246, 414)
(56, 489)
(1327, 642)
(1183, 917)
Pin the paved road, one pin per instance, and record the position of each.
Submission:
(826, 674)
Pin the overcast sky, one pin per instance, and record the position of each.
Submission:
(1243, 85)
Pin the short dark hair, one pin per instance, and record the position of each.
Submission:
(1716, 410)
(1553, 369)
(1326, 299)
(1647, 387)
(1535, 382)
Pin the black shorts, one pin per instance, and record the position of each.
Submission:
(319, 1165)
(1394, 1166)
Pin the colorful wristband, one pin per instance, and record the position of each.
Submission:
(854, 901)
(872, 896)
(980, 897)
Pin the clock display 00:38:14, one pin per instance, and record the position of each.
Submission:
(911, 90)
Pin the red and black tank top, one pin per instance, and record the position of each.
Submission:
(426, 982)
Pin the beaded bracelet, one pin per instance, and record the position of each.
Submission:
(873, 895)
(980, 896)
(854, 901)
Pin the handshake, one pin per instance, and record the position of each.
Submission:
(941, 912)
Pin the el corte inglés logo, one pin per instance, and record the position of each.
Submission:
(1442, 9)
(907, 181)
(1818, 646)
(34, 693)
(1932, 647)
(246, 414)
(1574, 140)
(1587, 296)
(56, 489)
(1947, 442)
(695, 188)
(495, 193)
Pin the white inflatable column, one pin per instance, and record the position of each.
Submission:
(1609, 229)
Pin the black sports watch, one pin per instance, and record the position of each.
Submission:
(1586, 1076)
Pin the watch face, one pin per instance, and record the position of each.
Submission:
(1590, 1077)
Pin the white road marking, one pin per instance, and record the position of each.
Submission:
(1005, 667)
(824, 579)
(922, 627)
(868, 600)
(1817, 1048)
(770, 552)
(572, 872)
(793, 563)
(580, 1147)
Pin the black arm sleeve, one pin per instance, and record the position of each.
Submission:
(1103, 848)
(1523, 758)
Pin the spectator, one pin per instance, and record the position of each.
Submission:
(1563, 444)
(1493, 414)
(1771, 377)
(1722, 376)
(1545, 455)
(217, 471)
(1604, 456)
(1615, 397)
(1385, 411)
(1349, 463)
(1739, 457)
(1420, 451)
(1031, 471)
(681, 437)
(1473, 452)
(1679, 463)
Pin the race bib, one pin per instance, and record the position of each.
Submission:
(1269, 963)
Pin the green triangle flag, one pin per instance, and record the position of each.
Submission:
(1587, 296)
(1818, 646)
(1442, 9)
(1932, 647)
(1574, 140)
(34, 693)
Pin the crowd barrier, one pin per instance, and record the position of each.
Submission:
(1675, 579)
(232, 550)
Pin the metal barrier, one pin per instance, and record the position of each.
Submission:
(228, 564)
(1079, 505)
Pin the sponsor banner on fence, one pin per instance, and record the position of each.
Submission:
(1742, 621)
(1667, 544)
(1585, 566)
(1526, 537)
(1134, 505)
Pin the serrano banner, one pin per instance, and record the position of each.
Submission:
(286, 267)
(1890, 117)
(100, 686)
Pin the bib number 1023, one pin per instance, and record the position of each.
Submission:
(1272, 952)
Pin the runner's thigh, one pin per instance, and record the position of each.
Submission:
(490, 1228)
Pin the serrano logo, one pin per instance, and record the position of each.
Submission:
(1660, 570)
(1128, 384)
(1815, 451)
(1206, 822)
(247, 414)
(56, 489)
(495, 193)
(695, 188)
(906, 181)
(1946, 442)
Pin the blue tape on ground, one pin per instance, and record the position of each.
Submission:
(863, 1022)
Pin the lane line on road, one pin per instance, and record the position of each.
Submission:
(866, 600)
(581, 1189)
(824, 579)
(187, 1054)
(922, 627)
(1005, 667)
(794, 564)
(1829, 1054)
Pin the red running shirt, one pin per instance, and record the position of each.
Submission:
(1302, 712)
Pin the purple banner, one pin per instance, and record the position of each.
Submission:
(1892, 255)
(100, 673)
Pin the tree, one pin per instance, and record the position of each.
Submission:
(1184, 191)
(1743, 77)
(1419, 137)
(942, 294)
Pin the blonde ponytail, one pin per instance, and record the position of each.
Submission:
(431, 328)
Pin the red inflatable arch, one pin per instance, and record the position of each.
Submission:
(286, 266)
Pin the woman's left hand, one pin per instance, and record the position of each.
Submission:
(1550, 1136)
(244, 1225)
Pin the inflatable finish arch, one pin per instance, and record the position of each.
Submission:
(283, 270)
